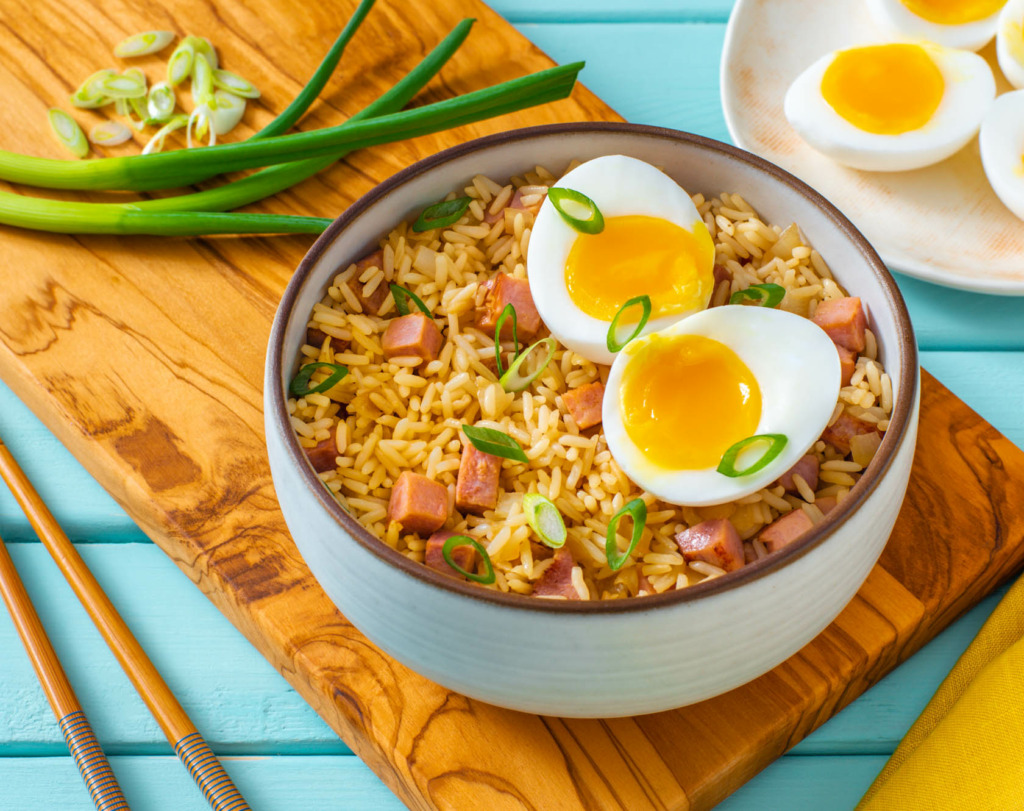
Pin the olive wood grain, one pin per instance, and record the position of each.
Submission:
(145, 357)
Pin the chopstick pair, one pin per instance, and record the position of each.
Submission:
(189, 745)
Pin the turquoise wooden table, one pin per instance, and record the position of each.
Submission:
(656, 62)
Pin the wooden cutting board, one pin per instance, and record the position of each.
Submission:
(145, 357)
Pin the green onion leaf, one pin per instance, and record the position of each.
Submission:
(233, 83)
(148, 42)
(109, 133)
(612, 341)
(90, 95)
(464, 540)
(125, 86)
(161, 102)
(544, 518)
(494, 442)
(509, 310)
(577, 209)
(299, 387)
(766, 295)
(637, 510)
(68, 132)
(226, 110)
(179, 66)
(441, 215)
(156, 143)
(402, 296)
(775, 442)
(512, 380)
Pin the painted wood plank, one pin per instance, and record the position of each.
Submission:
(798, 783)
(612, 11)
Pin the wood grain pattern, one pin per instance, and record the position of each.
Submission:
(147, 363)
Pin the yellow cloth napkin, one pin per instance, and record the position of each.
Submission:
(966, 750)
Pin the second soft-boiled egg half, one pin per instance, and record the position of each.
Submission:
(653, 243)
(969, 24)
(893, 106)
(686, 395)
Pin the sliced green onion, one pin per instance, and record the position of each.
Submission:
(637, 510)
(121, 107)
(441, 215)
(464, 540)
(199, 123)
(775, 442)
(90, 95)
(577, 209)
(179, 66)
(109, 133)
(611, 341)
(156, 143)
(138, 75)
(509, 310)
(226, 110)
(139, 108)
(402, 297)
(203, 47)
(124, 86)
(766, 295)
(299, 387)
(544, 518)
(233, 83)
(494, 442)
(68, 132)
(148, 42)
(161, 102)
(202, 80)
(512, 380)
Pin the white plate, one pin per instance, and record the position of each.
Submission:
(943, 223)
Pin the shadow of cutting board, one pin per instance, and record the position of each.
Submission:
(145, 357)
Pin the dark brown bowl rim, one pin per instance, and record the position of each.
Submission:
(894, 436)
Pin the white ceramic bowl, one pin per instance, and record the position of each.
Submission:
(596, 659)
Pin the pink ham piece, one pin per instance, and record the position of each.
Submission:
(584, 404)
(412, 335)
(847, 364)
(419, 504)
(316, 337)
(322, 456)
(807, 468)
(476, 489)
(557, 578)
(847, 426)
(715, 542)
(783, 531)
(370, 304)
(844, 321)
(826, 504)
(502, 290)
(464, 556)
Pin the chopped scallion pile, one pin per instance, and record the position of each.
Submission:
(494, 442)
(441, 215)
(544, 519)
(612, 341)
(774, 445)
(637, 510)
(464, 540)
(577, 209)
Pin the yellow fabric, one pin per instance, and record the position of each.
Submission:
(966, 750)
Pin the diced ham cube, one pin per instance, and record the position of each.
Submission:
(557, 578)
(722, 274)
(826, 504)
(322, 456)
(847, 363)
(783, 531)
(807, 468)
(643, 585)
(716, 542)
(419, 504)
(412, 335)
(502, 290)
(749, 555)
(847, 426)
(370, 304)
(464, 556)
(584, 404)
(477, 487)
(316, 337)
(844, 321)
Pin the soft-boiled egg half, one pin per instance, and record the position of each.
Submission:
(688, 393)
(653, 243)
(1002, 149)
(969, 24)
(893, 106)
(1010, 42)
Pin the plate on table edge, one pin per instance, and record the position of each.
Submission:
(942, 223)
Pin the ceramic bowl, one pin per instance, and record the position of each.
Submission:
(596, 659)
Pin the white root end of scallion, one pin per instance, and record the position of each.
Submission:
(235, 84)
(226, 110)
(109, 133)
(148, 42)
(67, 131)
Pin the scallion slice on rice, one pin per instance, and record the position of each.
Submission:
(544, 518)
(299, 387)
(502, 318)
(766, 295)
(67, 131)
(578, 210)
(512, 380)
(441, 215)
(494, 442)
(637, 510)
(774, 444)
(612, 342)
(464, 540)
(402, 298)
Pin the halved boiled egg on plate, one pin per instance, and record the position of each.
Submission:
(679, 399)
(969, 24)
(1002, 149)
(1010, 42)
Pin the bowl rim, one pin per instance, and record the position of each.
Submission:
(894, 437)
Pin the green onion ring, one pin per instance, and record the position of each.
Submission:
(148, 42)
(592, 221)
(637, 510)
(90, 95)
(299, 387)
(513, 381)
(179, 66)
(67, 131)
(544, 519)
(509, 310)
(494, 442)
(441, 215)
(464, 540)
(766, 295)
(645, 302)
(235, 84)
(727, 467)
(161, 102)
(402, 296)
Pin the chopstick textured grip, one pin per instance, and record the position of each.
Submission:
(209, 774)
(92, 763)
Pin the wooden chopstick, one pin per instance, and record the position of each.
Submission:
(188, 744)
(85, 749)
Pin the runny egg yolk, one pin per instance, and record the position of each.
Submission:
(884, 89)
(637, 255)
(686, 399)
(954, 12)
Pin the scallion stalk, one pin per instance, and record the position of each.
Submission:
(637, 510)
(544, 519)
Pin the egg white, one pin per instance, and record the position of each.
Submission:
(899, 21)
(796, 366)
(1002, 149)
(620, 186)
(1010, 42)
(969, 90)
